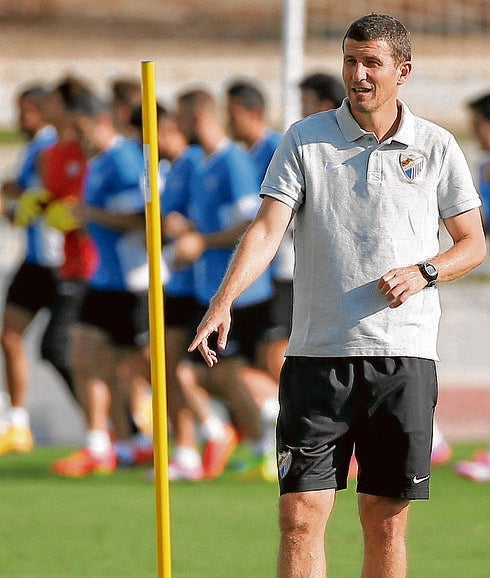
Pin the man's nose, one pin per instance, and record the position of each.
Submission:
(359, 72)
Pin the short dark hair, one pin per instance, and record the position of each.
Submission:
(70, 89)
(247, 93)
(90, 105)
(36, 92)
(136, 118)
(382, 27)
(198, 99)
(126, 91)
(481, 105)
(325, 86)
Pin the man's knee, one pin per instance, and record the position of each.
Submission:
(386, 514)
(301, 513)
(10, 340)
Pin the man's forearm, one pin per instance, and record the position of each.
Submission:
(251, 258)
(460, 259)
(469, 249)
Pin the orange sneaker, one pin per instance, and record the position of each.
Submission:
(16, 439)
(217, 452)
(83, 463)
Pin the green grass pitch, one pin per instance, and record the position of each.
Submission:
(103, 527)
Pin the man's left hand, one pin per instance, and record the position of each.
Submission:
(399, 284)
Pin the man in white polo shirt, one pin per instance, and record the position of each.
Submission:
(368, 184)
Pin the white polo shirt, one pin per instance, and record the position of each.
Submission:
(363, 208)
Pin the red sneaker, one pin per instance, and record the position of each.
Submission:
(83, 463)
(217, 452)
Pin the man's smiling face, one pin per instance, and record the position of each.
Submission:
(371, 76)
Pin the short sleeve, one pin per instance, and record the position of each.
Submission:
(284, 179)
(456, 192)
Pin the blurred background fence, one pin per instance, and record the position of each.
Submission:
(256, 18)
(208, 41)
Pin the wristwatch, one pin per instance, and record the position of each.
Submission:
(429, 272)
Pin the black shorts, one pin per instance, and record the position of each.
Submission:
(383, 406)
(33, 287)
(180, 311)
(280, 312)
(122, 315)
(65, 311)
(246, 331)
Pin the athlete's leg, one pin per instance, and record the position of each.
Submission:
(93, 361)
(225, 381)
(303, 517)
(15, 322)
(181, 412)
(56, 341)
(384, 523)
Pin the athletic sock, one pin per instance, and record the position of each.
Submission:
(98, 442)
(187, 457)
(269, 412)
(268, 416)
(212, 428)
(437, 437)
(19, 417)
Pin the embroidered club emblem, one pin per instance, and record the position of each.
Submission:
(411, 165)
(284, 460)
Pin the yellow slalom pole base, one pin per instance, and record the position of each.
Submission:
(157, 337)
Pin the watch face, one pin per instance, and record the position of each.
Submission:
(431, 270)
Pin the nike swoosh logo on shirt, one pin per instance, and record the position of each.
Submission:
(417, 480)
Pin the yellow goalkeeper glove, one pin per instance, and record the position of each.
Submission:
(59, 215)
(29, 206)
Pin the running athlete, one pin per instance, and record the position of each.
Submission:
(223, 200)
(112, 329)
(35, 284)
(246, 110)
(63, 167)
(188, 404)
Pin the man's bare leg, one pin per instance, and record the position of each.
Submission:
(303, 517)
(384, 523)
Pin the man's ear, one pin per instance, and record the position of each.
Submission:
(404, 72)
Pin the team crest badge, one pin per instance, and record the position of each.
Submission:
(411, 165)
(284, 460)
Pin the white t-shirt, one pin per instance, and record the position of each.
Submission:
(363, 208)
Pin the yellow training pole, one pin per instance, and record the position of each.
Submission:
(157, 337)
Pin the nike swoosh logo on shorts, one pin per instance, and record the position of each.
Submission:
(417, 480)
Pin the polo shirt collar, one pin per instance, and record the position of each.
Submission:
(352, 131)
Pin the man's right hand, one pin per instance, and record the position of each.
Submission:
(216, 320)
